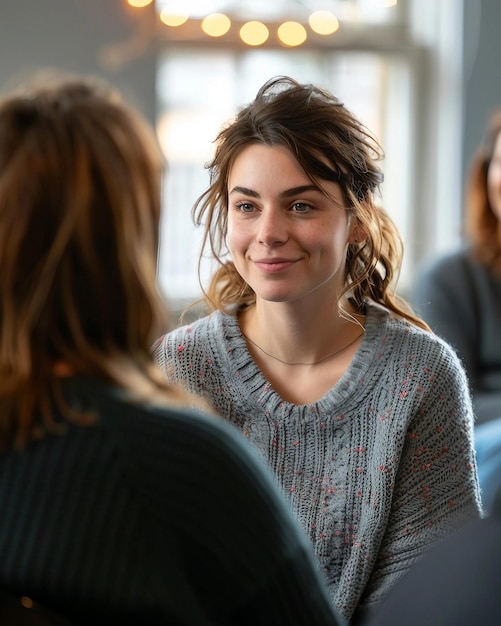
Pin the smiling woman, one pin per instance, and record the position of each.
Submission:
(310, 353)
(287, 238)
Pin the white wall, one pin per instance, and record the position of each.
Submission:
(101, 37)
(482, 70)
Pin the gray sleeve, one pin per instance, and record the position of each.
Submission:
(442, 295)
(445, 296)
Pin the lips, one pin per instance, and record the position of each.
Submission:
(274, 266)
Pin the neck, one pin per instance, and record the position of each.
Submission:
(328, 357)
(292, 340)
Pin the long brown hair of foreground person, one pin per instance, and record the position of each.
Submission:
(373, 264)
(77, 285)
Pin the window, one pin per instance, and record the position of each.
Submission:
(374, 67)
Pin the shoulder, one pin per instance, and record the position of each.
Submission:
(174, 454)
(182, 445)
(448, 265)
(159, 430)
(406, 339)
(211, 324)
(204, 329)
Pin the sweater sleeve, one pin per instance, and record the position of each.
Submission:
(459, 302)
(435, 490)
(443, 296)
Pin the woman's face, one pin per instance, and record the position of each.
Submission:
(287, 239)
(494, 179)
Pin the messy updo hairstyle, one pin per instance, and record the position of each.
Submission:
(330, 144)
(80, 176)
(482, 226)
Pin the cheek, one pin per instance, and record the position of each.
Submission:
(235, 238)
(335, 236)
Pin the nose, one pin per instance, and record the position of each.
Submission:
(272, 228)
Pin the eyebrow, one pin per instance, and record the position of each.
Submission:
(294, 191)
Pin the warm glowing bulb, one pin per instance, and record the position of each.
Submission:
(139, 3)
(323, 22)
(173, 19)
(292, 33)
(254, 33)
(216, 25)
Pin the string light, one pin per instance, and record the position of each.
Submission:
(292, 34)
(173, 19)
(323, 22)
(254, 33)
(139, 3)
(216, 25)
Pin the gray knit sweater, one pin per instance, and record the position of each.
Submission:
(377, 470)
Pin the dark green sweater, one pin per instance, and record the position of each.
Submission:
(154, 516)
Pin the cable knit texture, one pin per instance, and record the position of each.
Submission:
(377, 470)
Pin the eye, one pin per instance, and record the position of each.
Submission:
(245, 207)
(301, 207)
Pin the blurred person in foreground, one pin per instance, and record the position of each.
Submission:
(363, 414)
(124, 499)
(459, 295)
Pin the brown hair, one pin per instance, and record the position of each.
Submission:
(330, 144)
(482, 226)
(79, 216)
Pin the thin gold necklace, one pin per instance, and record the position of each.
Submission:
(326, 358)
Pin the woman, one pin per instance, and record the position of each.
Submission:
(459, 295)
(120, 503)
(363, 415)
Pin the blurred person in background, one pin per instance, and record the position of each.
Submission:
(459, 295)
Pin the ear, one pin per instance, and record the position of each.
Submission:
(358, 233)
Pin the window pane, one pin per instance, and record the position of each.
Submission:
(200, 90)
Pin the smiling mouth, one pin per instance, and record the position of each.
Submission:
(274, 267)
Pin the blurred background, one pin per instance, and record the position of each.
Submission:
(423, 75)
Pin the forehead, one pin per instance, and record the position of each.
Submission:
(263, 170)
(266, 164)
(259, 151)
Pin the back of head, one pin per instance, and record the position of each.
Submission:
(79, 212)
(482, 225)
(330, 144)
